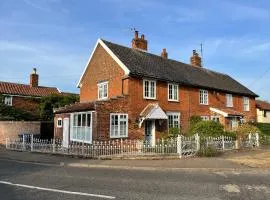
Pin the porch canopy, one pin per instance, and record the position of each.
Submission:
(152, 111)
(226, 112)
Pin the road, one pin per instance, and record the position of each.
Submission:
(29, 181)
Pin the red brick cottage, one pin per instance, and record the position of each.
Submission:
(130, 93)
(26, 96)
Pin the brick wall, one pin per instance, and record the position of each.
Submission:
(27, 104)
(188, 104)
(11, 129)
(101, 68)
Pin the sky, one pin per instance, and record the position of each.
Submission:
(58, 36)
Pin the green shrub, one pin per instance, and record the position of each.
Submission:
(264, 127)
(208, 128)
(174, 132)
(245, 129)
(209, 151)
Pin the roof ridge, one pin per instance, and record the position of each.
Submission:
(27, 85)
(146, 52)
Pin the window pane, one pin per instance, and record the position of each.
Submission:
(88, 120)
(79, 120)
(146, 89)
(152, 89)
(83, 119)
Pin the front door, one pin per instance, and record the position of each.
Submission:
(66, 132)
(150, 132)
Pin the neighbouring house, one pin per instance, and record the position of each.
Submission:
(263, 111)
(131, 93)
(27, 96)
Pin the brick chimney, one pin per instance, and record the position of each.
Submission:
(195, 59)
(139, 43)
(34, 78)
(164, 53)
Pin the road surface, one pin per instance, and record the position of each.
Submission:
(29, 181)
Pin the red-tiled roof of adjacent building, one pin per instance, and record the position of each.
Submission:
(263, 105)
(26, 90)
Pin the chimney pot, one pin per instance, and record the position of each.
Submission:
(136, 36)
(164, 53)
(195, 59)
(142, 36)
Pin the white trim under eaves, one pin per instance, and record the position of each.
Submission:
(118, 61)
(219, 112)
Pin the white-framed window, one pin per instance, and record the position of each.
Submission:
(149, 89)
(204, 97)
(246, 103)
(8, 100)
(205, 118)
(215, 118)
(229, 100)
(103, 90)
(81, 127)
(59, 122)
(173, 119)
(173, 94)
(118, 125)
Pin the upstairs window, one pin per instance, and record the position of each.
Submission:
(173, 92)
(229, 100)
(119, 125)
(149, 89)
(173, 119)
(246, 103)
(203, 97)
(8, 100)
(103, 90)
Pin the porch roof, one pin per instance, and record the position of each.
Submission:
(77, 107)
(153, 111)
(227, 112)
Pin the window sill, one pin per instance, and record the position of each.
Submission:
(118, 137)
(173, 101)
(203, 104)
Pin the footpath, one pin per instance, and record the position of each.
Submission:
(61, 160)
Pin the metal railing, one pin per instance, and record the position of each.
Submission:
(180, 146)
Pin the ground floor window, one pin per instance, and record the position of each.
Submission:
(215, 118)
(173, 119)
(205, 118)
(81, 127)
(59, 122)
(234, 123)
(118, 125)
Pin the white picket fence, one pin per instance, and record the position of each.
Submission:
(181, 146)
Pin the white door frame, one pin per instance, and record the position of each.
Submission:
(66, 132)
(152, 137)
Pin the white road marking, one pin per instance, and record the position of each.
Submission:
(56, 190)
(231, 188)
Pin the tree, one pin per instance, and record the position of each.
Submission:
(48, 103)
(244, 130)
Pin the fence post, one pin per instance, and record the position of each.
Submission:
(7, 143)
(197, 142)
(53, 146)
(162, 144)
(257, 140)
(32, 142)
(121, 146)
(83, 148)
(23, 146)
(223, 143)
(179, 145)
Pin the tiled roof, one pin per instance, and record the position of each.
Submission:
(26, 90)
(77, 107)
(263, 105)
(143, 64)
